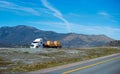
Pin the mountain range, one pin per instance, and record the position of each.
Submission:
(21, 35)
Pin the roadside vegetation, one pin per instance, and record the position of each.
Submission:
(17, 60)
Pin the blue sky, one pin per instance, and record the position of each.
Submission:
(64, 16)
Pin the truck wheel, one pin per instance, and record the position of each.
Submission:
(36, 46)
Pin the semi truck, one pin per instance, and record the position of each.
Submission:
(38, 43)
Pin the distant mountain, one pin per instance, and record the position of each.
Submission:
(23, 36)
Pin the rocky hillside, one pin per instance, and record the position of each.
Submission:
(23, 35)
(114, 43)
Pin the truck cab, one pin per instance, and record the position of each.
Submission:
(37, 43)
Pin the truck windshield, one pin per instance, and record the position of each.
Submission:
(32, 45)
(35, 42)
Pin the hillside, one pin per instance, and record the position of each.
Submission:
(114, 43)
(23, 35)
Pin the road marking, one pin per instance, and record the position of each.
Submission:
(91, 65)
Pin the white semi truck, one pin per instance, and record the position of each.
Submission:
(38, 43)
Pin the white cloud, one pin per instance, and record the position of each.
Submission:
(57, 14)
(55, 25)
(108, 16)
(103, 14)
(15, 7)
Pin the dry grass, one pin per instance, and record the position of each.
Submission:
(49, 58)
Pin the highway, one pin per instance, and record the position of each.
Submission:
(106, 65)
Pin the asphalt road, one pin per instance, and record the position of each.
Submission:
(106, 65)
